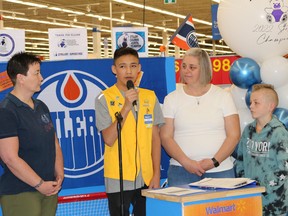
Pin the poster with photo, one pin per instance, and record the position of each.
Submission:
(68, 43)
(11, 41)
(134, 37)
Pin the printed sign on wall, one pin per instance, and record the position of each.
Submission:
(136, 38)
(11, 42)
(68, 43)
(215, 30)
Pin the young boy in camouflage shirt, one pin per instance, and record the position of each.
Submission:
(263, 150)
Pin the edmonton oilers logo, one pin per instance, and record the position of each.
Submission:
(191, 39)
(70, 96)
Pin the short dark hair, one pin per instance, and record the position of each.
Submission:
(19, 64)
(125, 51)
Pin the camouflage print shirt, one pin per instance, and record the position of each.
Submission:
(264, 157)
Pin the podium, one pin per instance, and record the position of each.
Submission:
(234, 202)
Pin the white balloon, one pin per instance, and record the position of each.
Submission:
(283, 96)
(275, 71)
(245, 118)
(238, 95)
(254, 28)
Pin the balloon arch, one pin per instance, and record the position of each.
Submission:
(257, 30)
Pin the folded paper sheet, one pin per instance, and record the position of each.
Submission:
(227, 183)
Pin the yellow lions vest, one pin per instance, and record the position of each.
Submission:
(146, 101)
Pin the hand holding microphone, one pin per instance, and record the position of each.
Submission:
(130, 85)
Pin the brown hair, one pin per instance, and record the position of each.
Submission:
(271, 94)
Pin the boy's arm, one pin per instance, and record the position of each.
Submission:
(239, 160)
(156, 157)
(278, 174)
(110, 134)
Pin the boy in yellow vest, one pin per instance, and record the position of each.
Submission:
(141, 146)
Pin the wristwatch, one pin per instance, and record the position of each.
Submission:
(215, 162)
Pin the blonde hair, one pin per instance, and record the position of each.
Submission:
(204, 63)
(269, 90)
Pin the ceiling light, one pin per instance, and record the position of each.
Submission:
(160, 11)
(27, 3)
(88, 8)
(75, 19)
(122, 16)
(12, 12)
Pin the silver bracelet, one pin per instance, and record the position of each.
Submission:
(39, 184)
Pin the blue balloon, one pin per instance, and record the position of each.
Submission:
(245, 72)
(247, 96)
(282, 115)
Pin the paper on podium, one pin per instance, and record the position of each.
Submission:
(227, 183)
(176, 191)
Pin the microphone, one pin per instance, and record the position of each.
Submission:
(130, 85)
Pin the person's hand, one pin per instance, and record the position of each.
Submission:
(131, 95)
(59, 179)
(49, 188)
(206, 164)
(155, 182)
(193, 166)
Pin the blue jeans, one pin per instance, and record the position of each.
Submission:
(177, 175)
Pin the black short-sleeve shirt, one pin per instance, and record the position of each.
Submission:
(36, 135)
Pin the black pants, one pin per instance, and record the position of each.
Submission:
(130, 197)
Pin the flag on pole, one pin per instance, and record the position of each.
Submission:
(185, 36)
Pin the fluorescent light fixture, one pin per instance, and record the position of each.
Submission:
(12, 12)
(66, 10)
(161, 11)
(27, 3)
(88, 26)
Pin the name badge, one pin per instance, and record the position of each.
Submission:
(148, 121)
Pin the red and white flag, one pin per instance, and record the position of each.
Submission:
(185, 36)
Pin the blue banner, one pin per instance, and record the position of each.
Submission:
(69, 89)
(215, 30)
